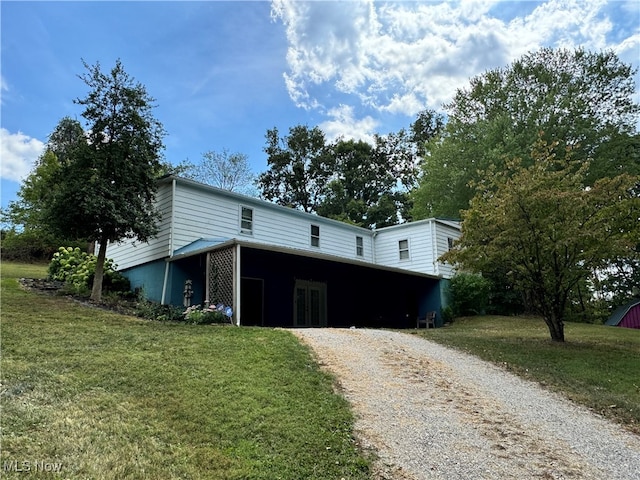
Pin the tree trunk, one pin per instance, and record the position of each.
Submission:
(96, 291)
(556, 328)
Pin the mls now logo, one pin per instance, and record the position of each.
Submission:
(28, 466)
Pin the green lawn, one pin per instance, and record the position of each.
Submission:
(115, 397)
(598, 366)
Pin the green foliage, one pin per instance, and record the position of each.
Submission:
(105, 189)
(299, 168)
(31, 245)
(546, 229)
(468, 294)
(574, 99)
(200, 315)
(155, 311)
(353, 181)
(77, 269)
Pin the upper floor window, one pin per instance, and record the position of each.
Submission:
(246, 220)
(359, 247)
(403, 249)
(315, 236)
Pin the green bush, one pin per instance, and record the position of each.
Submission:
(156, 311)
(206, 315)
(468, 294)
(77, 269)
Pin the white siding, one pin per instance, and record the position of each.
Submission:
(131, 253)
(420, 251)
(198, 211)
(427, 241)
(209, 213)
(443, 233)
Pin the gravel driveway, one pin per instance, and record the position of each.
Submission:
(431, 412)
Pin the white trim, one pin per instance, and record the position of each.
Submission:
(164, 283)
(237, 281)
(171, 232)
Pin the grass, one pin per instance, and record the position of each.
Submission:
(598, 366)
(115, 397)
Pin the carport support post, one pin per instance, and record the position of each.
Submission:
(236, 283)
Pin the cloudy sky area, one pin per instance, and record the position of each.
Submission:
(222, 73)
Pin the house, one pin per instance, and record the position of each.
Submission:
(277, 266)
(626, 315)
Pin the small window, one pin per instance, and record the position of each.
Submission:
(246, 220)
(359, 247)
(450, 243)
(315, 236)
(403, 249)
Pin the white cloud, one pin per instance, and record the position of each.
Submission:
(4, 87)
(18, 154)
(344, 124)
(401, 57)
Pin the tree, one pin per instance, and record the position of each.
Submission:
(228, 171)
(550, 231)
(579, 99)
(106, 188)
(300, 167)
(367, 182)
(29, 236)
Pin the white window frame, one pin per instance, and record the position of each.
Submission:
(403, 252)
(315, 238)
(359, 246)
(243, 229)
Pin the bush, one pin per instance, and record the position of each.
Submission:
(468, 294)
(77, 269)
(207, 315)
(156, 311)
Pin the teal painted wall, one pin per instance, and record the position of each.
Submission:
(149, 277)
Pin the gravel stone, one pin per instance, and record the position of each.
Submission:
(431, 412)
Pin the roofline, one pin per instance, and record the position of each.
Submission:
(448, 222)
(246, 199)
(302, 253)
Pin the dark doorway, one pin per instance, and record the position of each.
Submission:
(251, 301)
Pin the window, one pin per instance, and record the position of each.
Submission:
(450, 243)
(246, 220)
(359, 247)
(315, 236)
(403, 249)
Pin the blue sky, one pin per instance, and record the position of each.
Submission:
(222, 73)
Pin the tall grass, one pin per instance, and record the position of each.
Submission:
(114, 397)
(598, 366)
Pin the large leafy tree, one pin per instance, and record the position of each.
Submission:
(548, 228)
(29, 235)
(362, 190)
(300, 165)
(369, 183)
(106, 189)
(577, 99)
(40, 185)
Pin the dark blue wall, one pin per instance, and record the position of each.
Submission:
(356, 295)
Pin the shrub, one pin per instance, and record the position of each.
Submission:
(207, 315)
(77, 269)
(156, 311)
(468, 294)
